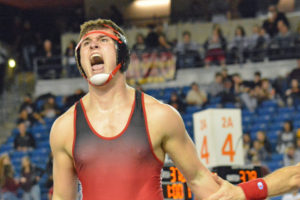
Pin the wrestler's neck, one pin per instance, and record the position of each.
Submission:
(111, 94)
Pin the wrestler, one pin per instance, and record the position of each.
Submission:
(114, 140)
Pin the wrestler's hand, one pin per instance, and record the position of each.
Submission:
(227, 191)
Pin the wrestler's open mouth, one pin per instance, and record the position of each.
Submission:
(97, 63)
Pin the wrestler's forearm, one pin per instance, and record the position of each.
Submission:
(283, 180)
(203, 184)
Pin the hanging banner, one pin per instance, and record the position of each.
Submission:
(151, 67)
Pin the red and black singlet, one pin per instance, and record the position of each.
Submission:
(123, 167)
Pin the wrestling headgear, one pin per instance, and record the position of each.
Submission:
(123, 54)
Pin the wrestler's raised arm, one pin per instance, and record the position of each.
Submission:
(64, 176)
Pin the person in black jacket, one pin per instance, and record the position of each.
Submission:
(274, 16)
(24, 141)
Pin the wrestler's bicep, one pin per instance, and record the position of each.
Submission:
(64, 176)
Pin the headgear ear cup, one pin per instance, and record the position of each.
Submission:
(77, 57)
(123, 53)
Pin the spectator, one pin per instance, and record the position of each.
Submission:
(176, 103)
(225, 75)
(216, 88)
(50, 108)
(257, 162)
(139, 45)
(247, 145)
(252, 40)
(49, 63)
(152, 37)
(260, 95)
(30, 107)
(249, 99)
(70, 58)
(187, 52)
(28, 40)
(268, 91)
(257, 79)
(263, 140)
(286, 137)
(163, 44)
(295, 73)
(24, 141)
(26, 118)
(258, 152)
(291, 156)
(9, 185)
(27, 104)
(293, 93)
(30, 176)
(196, 96)
(238, 87)
(215, 47)
(187, 45)
(270, 24)
(263, 40)
(255, 82)
(284, 38)
(239, 44)
(227, 96)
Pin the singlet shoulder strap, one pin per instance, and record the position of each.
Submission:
(138, 101)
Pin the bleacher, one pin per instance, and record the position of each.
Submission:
(39, 156)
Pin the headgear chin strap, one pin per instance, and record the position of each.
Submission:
(103, 78)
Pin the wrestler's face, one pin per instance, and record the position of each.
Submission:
(98, 53)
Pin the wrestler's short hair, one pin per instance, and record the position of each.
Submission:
(98, 24)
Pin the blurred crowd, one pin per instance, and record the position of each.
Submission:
(32, 112)
(273, 39)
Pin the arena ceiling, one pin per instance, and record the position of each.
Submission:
(36, 4)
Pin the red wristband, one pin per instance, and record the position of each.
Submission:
(255, 189)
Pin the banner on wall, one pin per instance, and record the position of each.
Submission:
(151, 67)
